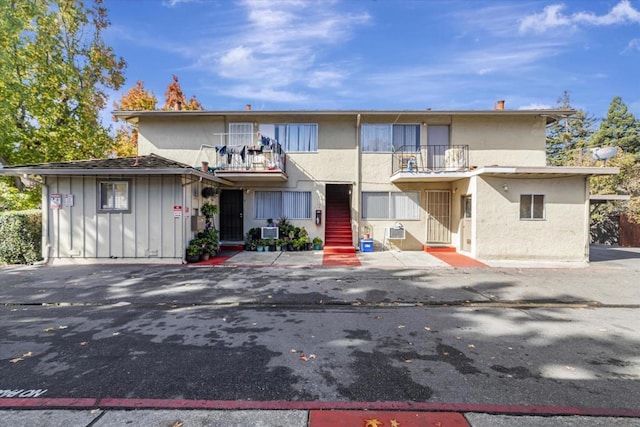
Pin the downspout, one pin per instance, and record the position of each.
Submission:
(587, 232)
(46, 218)
(358, 176)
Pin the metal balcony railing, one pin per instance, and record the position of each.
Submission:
(430, 158)
(263, 155)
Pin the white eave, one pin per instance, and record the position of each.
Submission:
(519, 172)
(542, 171)
(112, 172)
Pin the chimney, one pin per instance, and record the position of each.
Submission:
(248, 107)
(500, 105)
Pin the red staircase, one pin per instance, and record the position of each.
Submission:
(338, 236)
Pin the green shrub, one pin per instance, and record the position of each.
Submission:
(21, 240)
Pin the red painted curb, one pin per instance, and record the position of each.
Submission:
(385, 418)
(76, 403)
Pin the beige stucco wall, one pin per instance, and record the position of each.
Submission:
(516, 141)
(561, 236)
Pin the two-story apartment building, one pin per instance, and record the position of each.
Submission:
(476, 181)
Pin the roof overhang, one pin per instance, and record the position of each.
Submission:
(524, 172)
(26, 170)
(550, 115)
(604, 198)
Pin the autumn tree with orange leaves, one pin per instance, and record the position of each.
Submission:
(136, 99)
(175, 99)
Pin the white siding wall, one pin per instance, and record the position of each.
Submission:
(149, 230)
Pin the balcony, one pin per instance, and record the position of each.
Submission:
(262, 161)
(430, 163)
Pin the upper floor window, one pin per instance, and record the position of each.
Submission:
(294, 137)
(113, 196)
(241, 134)
(389, 138)
(531, 206)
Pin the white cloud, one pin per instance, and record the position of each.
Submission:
(633, 45)
(251, 93)
(552, 17)
(621, 13)
(535, 106)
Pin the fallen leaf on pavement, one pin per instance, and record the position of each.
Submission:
(401, 326)
(303, 357)
(177, 424)
(62, 327)
(312, 356)
(293, 350)
(116, 334)
(28, 354)
(408, 361)
(16, 360)
(49, 329)
(471, 346)
(84, 343)
(426, 328)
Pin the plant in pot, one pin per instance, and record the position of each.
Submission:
(278, 244)
(194, 250)
(260, 246)
(317, 243)
(209, 209)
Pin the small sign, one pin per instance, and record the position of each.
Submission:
(56, 201)
(177, 211)
(68, 200)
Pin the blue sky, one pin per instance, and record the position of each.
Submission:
(382, 54)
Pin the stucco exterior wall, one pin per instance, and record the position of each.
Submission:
(516, 141)
(560, 236)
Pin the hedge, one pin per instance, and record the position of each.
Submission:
(20, 237)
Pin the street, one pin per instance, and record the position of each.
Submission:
(538, 337)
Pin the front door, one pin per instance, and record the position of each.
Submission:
(231, 221)
(465, 232)
(438, 216)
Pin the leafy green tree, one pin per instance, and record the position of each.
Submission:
(54, 72)
(567, 138)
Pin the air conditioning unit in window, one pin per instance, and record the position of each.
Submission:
(395, 233)
(269, 232)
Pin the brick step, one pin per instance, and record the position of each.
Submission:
(339, 249)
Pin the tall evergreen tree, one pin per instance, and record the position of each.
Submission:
(620, 128)
(567, 138)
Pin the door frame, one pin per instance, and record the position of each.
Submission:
(224, 214)
(438, 222)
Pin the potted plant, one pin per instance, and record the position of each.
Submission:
(260, 246)
(194, 250)
(317, 243)
(209, 209)
(278, 244)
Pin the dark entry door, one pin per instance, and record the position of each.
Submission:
(231, 222)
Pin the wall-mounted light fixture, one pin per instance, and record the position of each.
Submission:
(505, 187)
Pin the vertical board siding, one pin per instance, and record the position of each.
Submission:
(149, 230)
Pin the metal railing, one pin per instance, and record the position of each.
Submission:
(430, 158)
(263, 155)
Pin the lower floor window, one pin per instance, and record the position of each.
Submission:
(114, 196)
(390, 205)
(531, 206)
(279, 204)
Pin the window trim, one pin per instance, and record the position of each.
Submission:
(532, 216)
(390, 205)
(100, 208)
